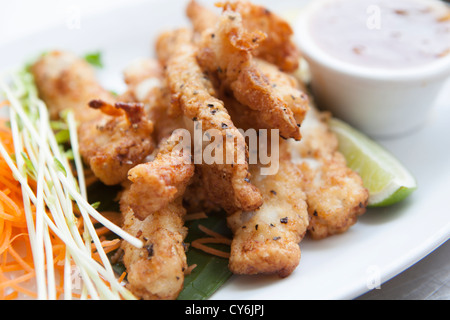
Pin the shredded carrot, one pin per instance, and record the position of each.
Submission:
(195, 216)
(214, 238)
(4, 103)
(122, 276)
(15, 248)
(199, 244)
(214, 234)
(16, 260)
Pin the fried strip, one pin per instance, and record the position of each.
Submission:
(156, 272)
(335, 193)
(201, 17)
(147, 84)
(278, 47)
(196, 198)
(284, 84)
(65, 81)
(226, 52)
(266, 241)
(162, 180)
(153, 212)
(193, 93)
(109, 143)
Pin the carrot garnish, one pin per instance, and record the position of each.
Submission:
(215, 238)
(13, 230)
(47, 238)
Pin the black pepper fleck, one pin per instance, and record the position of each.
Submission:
(284, 220)
(149, 249)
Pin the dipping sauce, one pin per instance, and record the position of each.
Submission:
(383, 33)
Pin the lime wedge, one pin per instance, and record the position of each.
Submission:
(387, 180)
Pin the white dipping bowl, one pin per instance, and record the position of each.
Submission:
(380, 102)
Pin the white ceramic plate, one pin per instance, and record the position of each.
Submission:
(382, 244)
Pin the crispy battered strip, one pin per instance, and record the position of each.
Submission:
(266, 241)
(66, 81)
(335, 193)
(278, 48)
(196, 198)
(162, 180)
(201, 17)
(142, 69)
(146, 84)
(113, 145)
(153, 212)
(193, 93)
(109, 144)
(156, 272)
(284, 84)
(226, 52)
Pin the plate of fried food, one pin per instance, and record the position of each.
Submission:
(189, 158)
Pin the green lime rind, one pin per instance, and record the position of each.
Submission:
(401, 194)
(385, 177)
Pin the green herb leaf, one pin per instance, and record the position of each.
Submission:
(95, 59)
